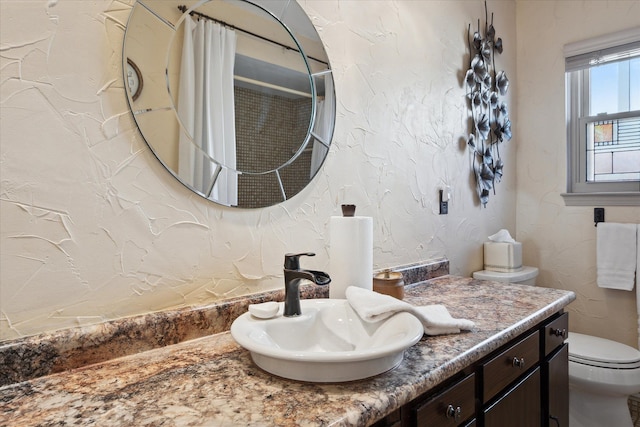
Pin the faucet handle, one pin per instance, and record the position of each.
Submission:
(292, 261)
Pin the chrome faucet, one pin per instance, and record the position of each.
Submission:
(292, 278)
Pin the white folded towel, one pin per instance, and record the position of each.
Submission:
(373, 307)
(616, 257)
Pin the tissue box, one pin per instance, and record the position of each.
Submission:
(503, 257)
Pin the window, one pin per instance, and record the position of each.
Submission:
(603, 120)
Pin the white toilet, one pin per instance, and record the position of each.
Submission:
(602, 375)
(525, 276)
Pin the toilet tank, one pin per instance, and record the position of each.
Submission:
(526, 276)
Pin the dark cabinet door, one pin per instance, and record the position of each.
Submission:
(520, 406)
(557, 375)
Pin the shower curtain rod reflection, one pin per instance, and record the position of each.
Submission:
(184, 8)
(272, 86)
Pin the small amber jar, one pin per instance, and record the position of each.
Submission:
(389, 283)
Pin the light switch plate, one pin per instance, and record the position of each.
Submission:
(444, 202)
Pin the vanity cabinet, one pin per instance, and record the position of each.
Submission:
(524, 383)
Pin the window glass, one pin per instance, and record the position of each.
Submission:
(613, 150)
(614, 87)
(603, 119)
(613, 144)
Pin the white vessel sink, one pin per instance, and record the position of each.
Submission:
(327, 343)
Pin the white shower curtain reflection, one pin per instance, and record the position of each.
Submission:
(206, 109)
(323, 126)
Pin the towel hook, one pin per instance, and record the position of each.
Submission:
(598, 215)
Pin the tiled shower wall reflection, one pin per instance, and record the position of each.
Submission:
(262, 119)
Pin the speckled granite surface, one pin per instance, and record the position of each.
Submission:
(58, 351)
(212, 381)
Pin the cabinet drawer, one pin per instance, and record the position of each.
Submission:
(555, 332)
(500, 371)
(450, 407)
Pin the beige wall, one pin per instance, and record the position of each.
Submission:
(560, 239)
(93, 227)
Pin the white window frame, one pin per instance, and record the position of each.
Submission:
(579, 191)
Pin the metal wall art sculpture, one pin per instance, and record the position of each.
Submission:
(489, 113)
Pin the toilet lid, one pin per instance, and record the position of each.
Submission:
(515, 276)
(602, 352)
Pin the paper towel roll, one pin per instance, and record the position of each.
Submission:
(350, 254)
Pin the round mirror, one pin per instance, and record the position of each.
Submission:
(234, 97)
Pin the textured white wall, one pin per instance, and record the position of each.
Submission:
(93, 228)
(562, 240)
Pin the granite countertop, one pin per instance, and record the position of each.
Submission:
(213, 381)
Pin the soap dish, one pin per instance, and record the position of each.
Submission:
(265, 310)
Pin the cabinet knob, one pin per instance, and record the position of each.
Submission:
(454, 413)
(559, 332)
(518, 362)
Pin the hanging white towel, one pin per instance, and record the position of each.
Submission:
(373, 307)
(638, 257)
(638, 278)
(616, 247)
